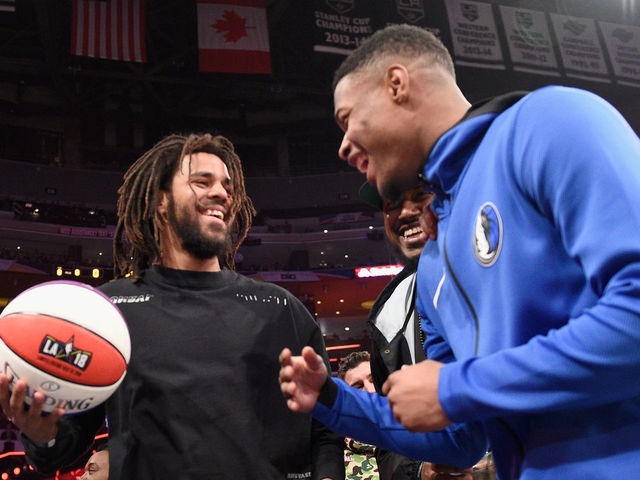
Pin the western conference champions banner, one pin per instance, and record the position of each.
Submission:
(474, 34)
(487, 35)
(529, 41)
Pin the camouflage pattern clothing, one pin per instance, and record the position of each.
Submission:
(360, 461)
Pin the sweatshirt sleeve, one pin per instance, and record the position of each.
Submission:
(369, 418)
(75, 435)
(578, 161)
(327, 447)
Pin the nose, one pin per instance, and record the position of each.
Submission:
(345, 149)
(369, 386)
(218, 191)
(409, 209)
(353, 155)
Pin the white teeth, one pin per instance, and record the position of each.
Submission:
(412, 231)
(214, 213)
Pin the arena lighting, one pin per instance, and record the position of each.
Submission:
(71, 271)
(378, 271)
(17, 470)
(343, 347)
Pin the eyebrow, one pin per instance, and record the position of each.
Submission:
(208, 175)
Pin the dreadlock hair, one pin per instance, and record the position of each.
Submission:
(352, 361)
(396, 40)
(137, 236)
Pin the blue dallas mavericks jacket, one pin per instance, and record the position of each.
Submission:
(533, 287)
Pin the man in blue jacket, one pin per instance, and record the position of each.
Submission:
(530, 297)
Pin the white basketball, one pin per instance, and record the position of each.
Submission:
(66, 340)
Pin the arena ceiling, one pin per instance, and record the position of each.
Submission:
(43, 86)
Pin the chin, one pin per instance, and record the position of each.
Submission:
(390, 192)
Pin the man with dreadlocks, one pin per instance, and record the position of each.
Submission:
(200, 398)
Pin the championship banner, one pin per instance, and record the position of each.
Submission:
(341, 25)
(474, 34)
(623, 46)
(529, 41)
(413, 12)
(580, 48)
(233, 36)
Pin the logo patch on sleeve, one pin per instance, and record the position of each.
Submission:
(487, 235)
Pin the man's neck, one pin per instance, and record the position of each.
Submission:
(186, 261)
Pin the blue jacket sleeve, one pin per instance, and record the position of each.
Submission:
(368, 418)
(578, 161)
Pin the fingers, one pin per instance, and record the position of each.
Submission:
(311, 358)
(16, 400)
(285, 357)
(448, 469)
(37, 403)
(4, 394)
(385, 388)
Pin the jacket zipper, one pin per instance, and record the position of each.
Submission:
(464, 295)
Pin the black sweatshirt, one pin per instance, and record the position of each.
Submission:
(201, 397)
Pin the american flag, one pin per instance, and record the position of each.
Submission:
(7, 5)
(110, 29)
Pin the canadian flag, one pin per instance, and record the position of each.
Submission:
(233, 36)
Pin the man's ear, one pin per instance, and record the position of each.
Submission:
(163, 205)
(396, 82)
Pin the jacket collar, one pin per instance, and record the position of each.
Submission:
(450, 153)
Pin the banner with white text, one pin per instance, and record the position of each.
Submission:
(529, 41)
(623, 47)
(474, 34)
(580, 48)
(339, 26)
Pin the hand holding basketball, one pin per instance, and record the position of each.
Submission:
(37, 427)
(63, 346)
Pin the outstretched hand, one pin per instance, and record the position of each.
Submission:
(301, 378)
(37, 427)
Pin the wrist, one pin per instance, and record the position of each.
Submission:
(45, 444)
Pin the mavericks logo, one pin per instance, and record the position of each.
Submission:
(487, 235)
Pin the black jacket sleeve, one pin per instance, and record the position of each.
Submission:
(327, 455)
(396, 467)
(75, 436)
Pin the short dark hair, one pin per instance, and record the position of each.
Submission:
(404, 40)
(352, 361)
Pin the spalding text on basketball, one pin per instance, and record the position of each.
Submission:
(74, 405)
